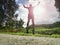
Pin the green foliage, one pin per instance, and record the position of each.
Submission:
(13, 26)
(57, 24)
(7, 9)
(8, 21)
(57, 4)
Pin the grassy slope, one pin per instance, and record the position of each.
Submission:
(40, 32)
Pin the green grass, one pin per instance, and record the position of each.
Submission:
(39, 32)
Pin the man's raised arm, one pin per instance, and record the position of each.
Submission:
(25, 6)
(37, 4)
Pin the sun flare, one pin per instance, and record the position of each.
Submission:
(39, 10)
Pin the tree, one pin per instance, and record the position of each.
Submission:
(56, 24)
(21, 22)
(7, 10)
(16, 22)
(57, 4)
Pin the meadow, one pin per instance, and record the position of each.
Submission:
(39, 32)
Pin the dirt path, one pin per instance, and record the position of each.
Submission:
(6, 39)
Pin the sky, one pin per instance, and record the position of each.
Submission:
(44, 13)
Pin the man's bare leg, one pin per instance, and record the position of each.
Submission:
(33, 31)
(27, 26)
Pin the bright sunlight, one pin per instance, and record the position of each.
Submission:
(39, 9)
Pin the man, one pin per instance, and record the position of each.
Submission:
(30, 16)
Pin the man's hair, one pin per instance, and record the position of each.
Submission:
(30, 5)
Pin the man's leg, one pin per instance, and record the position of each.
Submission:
(33, 25)
(27, 25)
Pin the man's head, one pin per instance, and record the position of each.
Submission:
(30, 5)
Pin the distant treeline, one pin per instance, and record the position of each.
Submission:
(56, 24)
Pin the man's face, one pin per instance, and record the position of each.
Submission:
(30, 5)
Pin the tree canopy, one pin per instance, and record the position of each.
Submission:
(57, 4)
(7, 10)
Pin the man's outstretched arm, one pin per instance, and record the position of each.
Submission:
(25, 6)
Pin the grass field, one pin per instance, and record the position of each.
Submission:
(39, 32)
